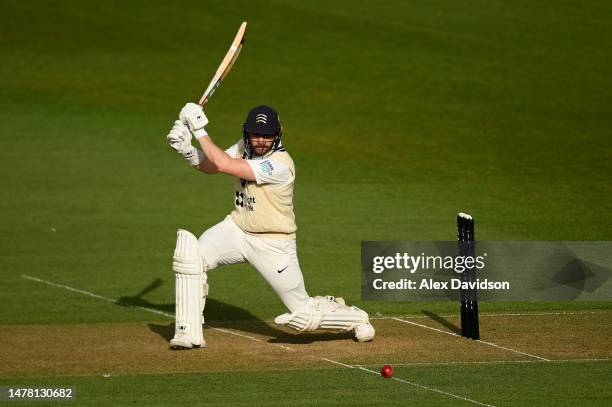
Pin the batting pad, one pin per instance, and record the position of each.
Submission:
(190, 284)
(326, 313)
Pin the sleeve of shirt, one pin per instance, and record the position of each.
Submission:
(270, 171)
(232, 150)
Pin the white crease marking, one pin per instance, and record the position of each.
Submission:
(478, 341)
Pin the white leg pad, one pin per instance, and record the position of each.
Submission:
(190, 291)
(329, 313)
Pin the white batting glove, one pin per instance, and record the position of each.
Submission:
(179, 140)
(179, 137)
(193, 116)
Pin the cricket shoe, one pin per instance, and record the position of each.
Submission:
(364, 332)
(184, 342)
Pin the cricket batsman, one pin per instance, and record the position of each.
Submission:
(260, 229)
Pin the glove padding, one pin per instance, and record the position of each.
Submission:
(179, 137)
(179, 140)
(193, 116)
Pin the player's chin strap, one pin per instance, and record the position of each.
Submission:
(326, 313)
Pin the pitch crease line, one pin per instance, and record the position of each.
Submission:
(334, 362)
(430, 388)
(99, 297)
(408, 382)
(479, 340)
(153, 310)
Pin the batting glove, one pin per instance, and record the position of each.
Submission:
(193, 116)
(179, 137)
(179, 140)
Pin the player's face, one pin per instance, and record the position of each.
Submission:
(261, 143)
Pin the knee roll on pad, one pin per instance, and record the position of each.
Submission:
(187, 258)
(326, 313)
(191, 288)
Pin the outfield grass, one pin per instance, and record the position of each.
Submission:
(559, 384)
(396, 118)
(397, 115)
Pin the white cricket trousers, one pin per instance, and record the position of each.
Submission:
(276, 260)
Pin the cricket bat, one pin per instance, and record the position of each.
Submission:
(226, 65)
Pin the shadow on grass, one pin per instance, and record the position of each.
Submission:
(443, 321)
(310, 337)
(241, 320)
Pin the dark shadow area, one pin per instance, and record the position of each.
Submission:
(310, 337)
(165, 331)
(442, 321)
(223, 315)
(137, 300)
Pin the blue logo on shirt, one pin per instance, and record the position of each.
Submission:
(266, 167)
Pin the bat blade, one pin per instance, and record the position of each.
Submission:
(226, 64)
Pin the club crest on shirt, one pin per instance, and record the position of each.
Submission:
(266, 166)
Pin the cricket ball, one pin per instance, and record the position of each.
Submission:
(386, 371)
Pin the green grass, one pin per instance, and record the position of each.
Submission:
(562, 384)
(397, 115)
(397, 118)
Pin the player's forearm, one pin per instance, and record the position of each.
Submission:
(204, 165)
(215, 158)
